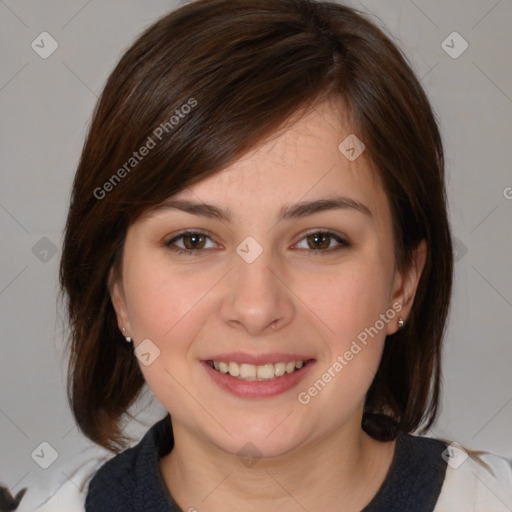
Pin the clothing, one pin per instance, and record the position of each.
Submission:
(482, 483)
(419, 479)
(63, 489)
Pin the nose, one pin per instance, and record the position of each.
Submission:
(256, 298)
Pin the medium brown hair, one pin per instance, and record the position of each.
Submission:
(246, 66)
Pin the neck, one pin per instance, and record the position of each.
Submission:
(342, 472)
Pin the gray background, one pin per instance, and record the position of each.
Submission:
(46, 105)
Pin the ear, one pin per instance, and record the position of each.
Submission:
(117, 297)
(405, 285)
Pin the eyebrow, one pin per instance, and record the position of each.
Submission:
(287, 212)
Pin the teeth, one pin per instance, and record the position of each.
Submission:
(266, 371)
(252, 372)
(234, 369)
(279, 369)
(290, 367)
(247, 371)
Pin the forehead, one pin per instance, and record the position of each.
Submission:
(302, 161)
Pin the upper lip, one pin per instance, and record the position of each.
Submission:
(257, 359)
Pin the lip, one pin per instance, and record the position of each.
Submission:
(258, 389)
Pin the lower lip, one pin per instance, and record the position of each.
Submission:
(257, 388)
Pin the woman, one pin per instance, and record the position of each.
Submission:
(258, 232)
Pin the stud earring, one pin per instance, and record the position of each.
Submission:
(400, 322)
(127, 338)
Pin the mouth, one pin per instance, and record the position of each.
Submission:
(261, 376)
(257, 376)
(261, 372)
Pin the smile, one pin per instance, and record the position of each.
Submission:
(251, 372)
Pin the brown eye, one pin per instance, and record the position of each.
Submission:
(190, 242)
(194, 241)
(318, 242)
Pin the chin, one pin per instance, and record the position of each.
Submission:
(258, 438)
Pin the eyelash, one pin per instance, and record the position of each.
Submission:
(311, 252)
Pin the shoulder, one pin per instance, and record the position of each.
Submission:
(114, 478)
(64, 490)
(438, 475)
(131, 478)
(99, 471)
(97, 480)
(475, 481)
(112, 484)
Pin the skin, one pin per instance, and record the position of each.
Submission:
(294, 299)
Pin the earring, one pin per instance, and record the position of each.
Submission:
(400, 322)
(127, 338)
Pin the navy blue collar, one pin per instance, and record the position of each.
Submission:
(132, 481)
(415, 477)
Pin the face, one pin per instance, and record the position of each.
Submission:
(281, 260)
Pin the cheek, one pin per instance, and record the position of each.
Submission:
(159, 298)
(354, 340)
(166, 306)
(348, 300)
(162, 307)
